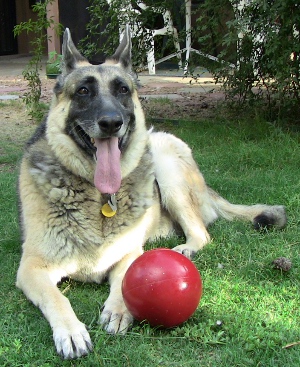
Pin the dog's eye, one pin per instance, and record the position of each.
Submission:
(82, 91)
(123, 89)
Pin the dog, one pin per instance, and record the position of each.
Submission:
(95, 185)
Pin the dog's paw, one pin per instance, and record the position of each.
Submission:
(73, 344)
(115, 319)
(185, 250)
(273, 216)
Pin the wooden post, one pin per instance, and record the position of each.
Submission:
(53, 39)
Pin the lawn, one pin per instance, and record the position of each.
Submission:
(249, 313)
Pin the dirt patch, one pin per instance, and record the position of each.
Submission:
(5, 167)
(18, 86)
(16, 125)
(189, 107)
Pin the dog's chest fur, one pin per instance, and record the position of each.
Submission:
(75, 225)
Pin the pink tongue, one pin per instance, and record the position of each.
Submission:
(107, 177)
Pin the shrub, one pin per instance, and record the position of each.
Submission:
(32, 71)
(106, 21)
(262, 40)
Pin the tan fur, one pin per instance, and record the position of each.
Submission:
(65, 233)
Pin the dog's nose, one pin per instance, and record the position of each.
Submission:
(110, 124)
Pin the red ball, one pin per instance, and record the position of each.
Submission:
(162, 287)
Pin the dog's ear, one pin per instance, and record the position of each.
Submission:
(71, 56)
(123, 52)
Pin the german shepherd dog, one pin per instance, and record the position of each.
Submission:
(95, 185)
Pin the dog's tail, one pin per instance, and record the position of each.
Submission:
(262, 216)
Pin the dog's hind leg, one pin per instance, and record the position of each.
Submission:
(37, 282)
(191, 203)
(183, 191)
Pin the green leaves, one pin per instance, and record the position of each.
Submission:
(262, 39)
(32, 71)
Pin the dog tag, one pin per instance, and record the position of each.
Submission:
(107, 211)
(110, 208)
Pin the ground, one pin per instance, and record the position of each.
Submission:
(161, 100)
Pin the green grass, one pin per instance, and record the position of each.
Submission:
(248, 311)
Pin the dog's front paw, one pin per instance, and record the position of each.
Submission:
(72, 344)
(185, 250)
(115, 318)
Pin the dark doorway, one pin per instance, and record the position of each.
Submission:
(75, 15)
(8, 43)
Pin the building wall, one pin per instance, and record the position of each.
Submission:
(23, 13)
(73, 14)
(8, 43)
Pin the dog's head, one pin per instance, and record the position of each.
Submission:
(102, 102)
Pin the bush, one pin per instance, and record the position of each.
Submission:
(262, 40)
(106, 21)
(32, 71)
